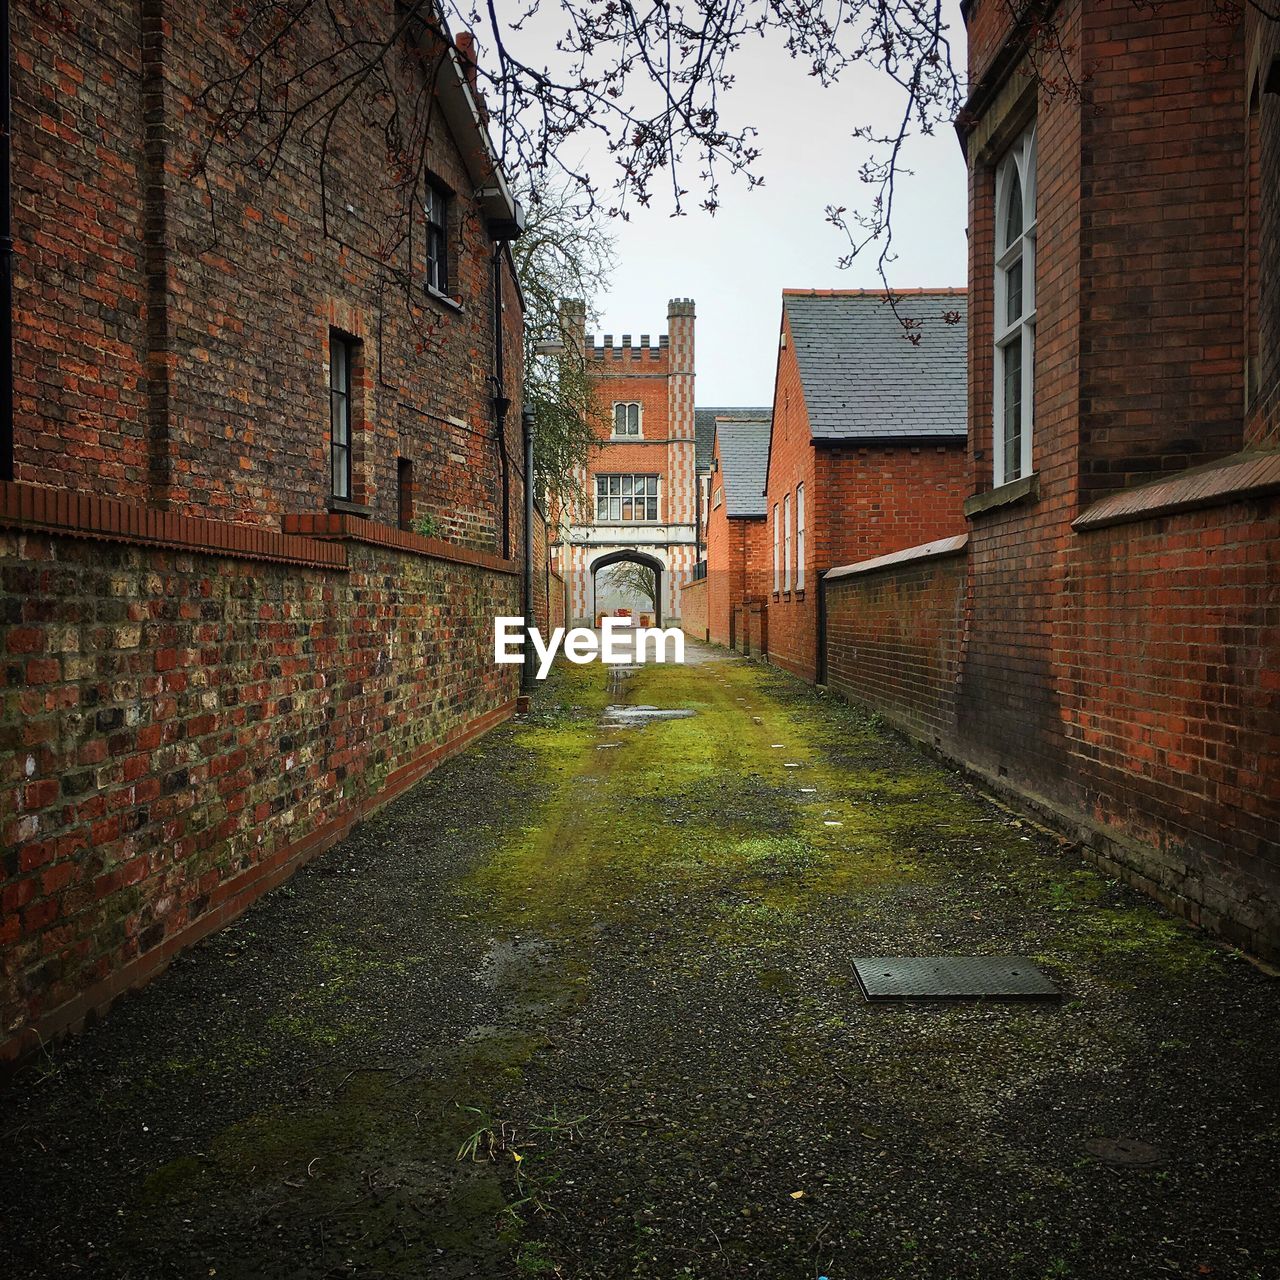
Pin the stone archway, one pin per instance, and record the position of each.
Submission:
(635, 557)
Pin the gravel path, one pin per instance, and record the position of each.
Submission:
(581, 1005)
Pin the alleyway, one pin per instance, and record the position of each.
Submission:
(606, 960)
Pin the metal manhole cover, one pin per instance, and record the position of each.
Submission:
(952, 978)
(1123, 1151)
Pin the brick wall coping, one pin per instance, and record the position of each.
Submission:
(333, 526)
(84, 515)
(925, 551)
(1243, 475)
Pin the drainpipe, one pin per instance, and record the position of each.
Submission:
(6, 259)
(501, 402)
(526, 670)
(697, 514)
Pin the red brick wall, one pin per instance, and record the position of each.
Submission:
(80, 273)
(1162, 330)
(893, 642)
(1008, 711)
(1120, 675)
(693, 609)
(181, 728)
(207, 389)
(792, 625)
(1165, 654)
(737, 561)
(1262, 60)
(193, 699)
(1168, 665)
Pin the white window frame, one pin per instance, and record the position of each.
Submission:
(717, 498)
(1015, 331)
(786, 542)
(777, 564)
(800, 537)
(617, 488)
(638, 433)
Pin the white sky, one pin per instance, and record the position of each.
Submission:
(735, 264)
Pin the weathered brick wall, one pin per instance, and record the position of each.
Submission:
(80, 272)
(1262, 60)
(693, 609)
(792, 618)
(738, 564)
(1118, 672)
(1162, 163)
(159, 363)
(1165, 661)
(181, 728)
(726, 572)
(893, 642)
(1168, 664)
(1008, 712)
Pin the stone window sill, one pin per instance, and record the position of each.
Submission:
(442, 298)
(346, 508)
(1026, 489)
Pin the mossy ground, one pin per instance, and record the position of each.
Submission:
(609, 969)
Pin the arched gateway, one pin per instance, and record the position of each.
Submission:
(633, 556)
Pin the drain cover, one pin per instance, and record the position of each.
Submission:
(1123, 1151)
(952, 978)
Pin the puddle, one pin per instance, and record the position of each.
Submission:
(628, 717)
(507, 962)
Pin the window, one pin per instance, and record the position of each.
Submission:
(799, 537)
(1015, 309)
(626, 498)
(777, 563)
(341, 353)
(786, 543)
(437, 211)
(719, 496)
(404, 492)
(626, 419)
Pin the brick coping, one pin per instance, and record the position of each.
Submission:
(235, 894)
(313, 541)
(326, 527)
(925, 551)
(85, 515)
(1243, 475)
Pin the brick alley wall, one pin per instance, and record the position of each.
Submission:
(182, 728)
(159, 362)
(893, 637)
(693, 609)
(1108, 647)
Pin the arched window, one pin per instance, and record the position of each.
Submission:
(1015, 309)
(626, 418)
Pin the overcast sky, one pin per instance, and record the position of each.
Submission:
(736, 264)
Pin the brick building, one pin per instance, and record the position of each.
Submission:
(737, 563)
(867, 441)
(225, 641)
(1104, 642)
(640, 486)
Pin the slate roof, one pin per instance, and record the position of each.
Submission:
(744, 464)
(863, 379)
(704, 428)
